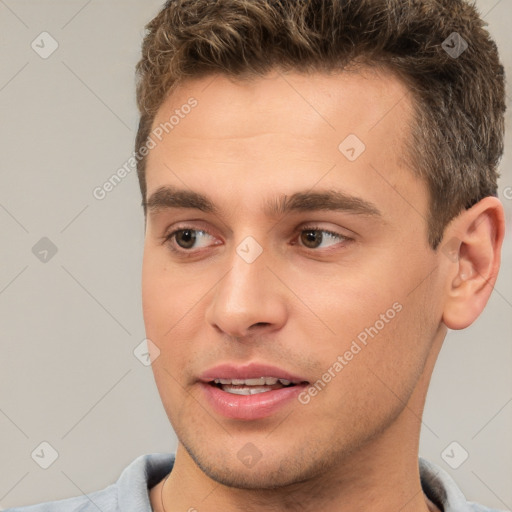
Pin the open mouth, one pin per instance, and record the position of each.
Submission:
(250, 392)
(252, 386)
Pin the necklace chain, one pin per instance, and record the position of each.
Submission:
(162, 492)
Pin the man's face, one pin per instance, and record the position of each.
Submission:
(343, 300)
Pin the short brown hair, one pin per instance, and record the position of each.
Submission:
(456, 140)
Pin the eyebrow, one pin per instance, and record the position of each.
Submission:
(167, 197)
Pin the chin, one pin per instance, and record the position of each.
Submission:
(282, 470)
(253, 479)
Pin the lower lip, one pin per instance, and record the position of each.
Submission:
(250, 407)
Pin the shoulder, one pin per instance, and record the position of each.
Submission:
(105, 500)
(129, 494)
(440, 487)
(476, 507)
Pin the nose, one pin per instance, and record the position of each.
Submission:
(249, 300)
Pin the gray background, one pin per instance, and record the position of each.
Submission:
(69, 325)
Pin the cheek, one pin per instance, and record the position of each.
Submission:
(372, 320)
(173, 309)
(169, 318)
(156, 299)
(345, 301)
(166, 293)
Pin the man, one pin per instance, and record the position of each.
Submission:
(319, 185)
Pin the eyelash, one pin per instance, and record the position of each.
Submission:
(190, 252)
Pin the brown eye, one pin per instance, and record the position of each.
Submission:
(314, 238)
(185, 238)
(311, 238)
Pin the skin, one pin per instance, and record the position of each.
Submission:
(354, 446)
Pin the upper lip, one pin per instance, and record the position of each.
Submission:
(248, 371)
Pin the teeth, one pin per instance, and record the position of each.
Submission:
(246, 390)
(261, 381)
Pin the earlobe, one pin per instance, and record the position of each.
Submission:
(475, 239)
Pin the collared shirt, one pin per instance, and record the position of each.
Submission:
(131, 491)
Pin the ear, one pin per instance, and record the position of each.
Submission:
(472, 245)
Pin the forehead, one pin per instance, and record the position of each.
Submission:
(357, 100)
(284, 132)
